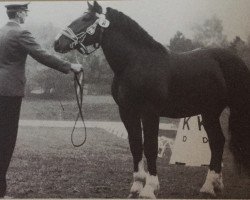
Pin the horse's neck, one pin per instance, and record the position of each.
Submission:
(118, 50)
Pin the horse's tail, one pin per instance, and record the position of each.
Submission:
(237, 77)
(239, 123)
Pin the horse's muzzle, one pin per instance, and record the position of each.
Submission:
(56, 46)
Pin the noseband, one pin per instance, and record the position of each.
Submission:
(78, 39)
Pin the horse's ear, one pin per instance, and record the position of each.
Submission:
(90, 6)
(97, 8)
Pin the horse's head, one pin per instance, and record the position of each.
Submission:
(83, 32)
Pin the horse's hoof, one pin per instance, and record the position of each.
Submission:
(147, 196)
(133, 195)
(208, 190)
(219, 186)
(147, 193)
(136, 188)
(8, 197)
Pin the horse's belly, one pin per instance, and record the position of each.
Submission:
(178, 111)
(178, 106)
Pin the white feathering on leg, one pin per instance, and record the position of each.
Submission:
(152, 186)
(136, 188)
(208, 185)
(139, 179)
(213, 181)
(218, 183)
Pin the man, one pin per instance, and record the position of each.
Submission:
(15, 45)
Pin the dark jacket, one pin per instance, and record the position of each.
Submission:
(15, 45)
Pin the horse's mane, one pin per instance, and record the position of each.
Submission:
(133, 30)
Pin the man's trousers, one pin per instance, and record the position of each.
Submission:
(9, 118)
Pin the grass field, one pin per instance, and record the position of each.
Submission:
(102, 108)
(94, 108)
(46, 165)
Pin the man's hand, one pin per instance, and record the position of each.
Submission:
(76, 67)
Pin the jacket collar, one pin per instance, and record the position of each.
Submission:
(13, 23)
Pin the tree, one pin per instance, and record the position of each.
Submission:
(179, 43)
(50, 80)
(210, 33)
(238, 46)
(241, 48)
(100, 71)
(41, 76)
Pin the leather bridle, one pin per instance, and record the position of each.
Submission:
(78, 39)
(77, 43)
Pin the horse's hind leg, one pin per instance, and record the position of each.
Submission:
(150, 129)
(132, 122)
(216, 139)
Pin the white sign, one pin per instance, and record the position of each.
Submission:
(191, 145)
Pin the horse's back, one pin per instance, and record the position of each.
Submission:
(195, 70)
(197, 82)
(178, 85)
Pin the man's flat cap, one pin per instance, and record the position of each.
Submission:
(17, 7)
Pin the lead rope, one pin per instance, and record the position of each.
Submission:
(78, 86)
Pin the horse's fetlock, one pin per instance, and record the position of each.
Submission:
(213, 183)
(218, 182)
(147, 193)
(208, 189)
(153, 182)
(136, 187)
(140, 176)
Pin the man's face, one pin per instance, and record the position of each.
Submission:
(22, 16)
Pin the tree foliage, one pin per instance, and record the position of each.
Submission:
(210, 33)
(55, 83)
(241, 48)
(179, 43)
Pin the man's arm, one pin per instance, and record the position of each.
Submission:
(27, 41)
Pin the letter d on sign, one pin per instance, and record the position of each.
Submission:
(204, 139)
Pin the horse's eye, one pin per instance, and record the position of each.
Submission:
(86, 17)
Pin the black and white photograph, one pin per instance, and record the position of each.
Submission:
(139, 99)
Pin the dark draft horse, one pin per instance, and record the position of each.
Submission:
(150, 82)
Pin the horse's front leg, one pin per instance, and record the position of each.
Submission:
(150, 129)
(132, 122)
(216, 139)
